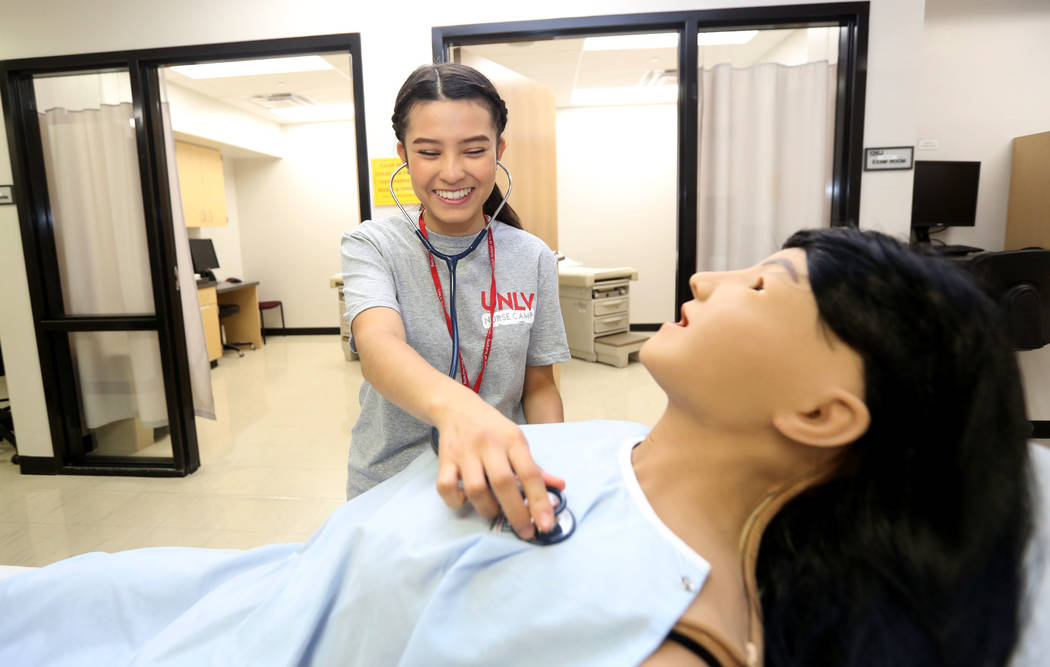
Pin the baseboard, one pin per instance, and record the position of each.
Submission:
(1040, 428)
(38, 465)
(302, 331)
(646, 326)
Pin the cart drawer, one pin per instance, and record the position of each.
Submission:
(610, 306)
(611, 323)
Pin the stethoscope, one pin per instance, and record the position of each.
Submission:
(565, 522)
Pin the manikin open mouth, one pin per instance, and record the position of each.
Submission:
(684, 321)
(453, 195)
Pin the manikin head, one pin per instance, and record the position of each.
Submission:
(909, 549)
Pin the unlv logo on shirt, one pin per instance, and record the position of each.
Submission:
(511, 308)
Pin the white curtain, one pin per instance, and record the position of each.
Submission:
(91, 161)
(196, 346)
(766, 142)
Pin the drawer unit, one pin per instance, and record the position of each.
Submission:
(596, 307)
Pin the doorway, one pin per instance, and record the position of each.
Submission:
(684, 38)
(92, 164)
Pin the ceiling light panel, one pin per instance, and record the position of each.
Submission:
(253, 67)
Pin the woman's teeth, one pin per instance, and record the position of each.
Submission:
(453, 194)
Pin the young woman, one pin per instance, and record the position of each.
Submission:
(841, 478)
(449, 122)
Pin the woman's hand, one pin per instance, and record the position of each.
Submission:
(478, 445)
(489, 453)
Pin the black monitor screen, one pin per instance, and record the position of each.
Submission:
(945, 193)
(203, 253)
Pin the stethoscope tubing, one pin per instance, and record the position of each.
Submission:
(565, 521)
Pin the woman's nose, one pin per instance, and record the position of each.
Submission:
(451, 169)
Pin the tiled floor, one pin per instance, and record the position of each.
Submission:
(273, 463)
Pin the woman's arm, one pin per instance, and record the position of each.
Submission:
(539, 396)
(479, 445)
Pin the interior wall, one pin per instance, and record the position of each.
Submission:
(293, 214)
(206, 118)
(985, 74)
(985, 68)
(617, 200)
(394, 41)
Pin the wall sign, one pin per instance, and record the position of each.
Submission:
(892, 157)
(382, 167)
(7, 195)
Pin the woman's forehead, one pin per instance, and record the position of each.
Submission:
(471, 116)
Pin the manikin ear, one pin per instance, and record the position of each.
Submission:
(500, 148)
(401, 152)
(838, 420)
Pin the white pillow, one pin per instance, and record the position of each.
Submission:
(1033, 648)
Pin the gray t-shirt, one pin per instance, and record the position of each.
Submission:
(385, 264)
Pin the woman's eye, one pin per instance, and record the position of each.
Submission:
(476, 151)
(428, 153)
(759, 285)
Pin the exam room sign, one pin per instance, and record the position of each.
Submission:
(892, 157)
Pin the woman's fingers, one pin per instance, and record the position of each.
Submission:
(535, 488)
(508, 493)
(476, 488)
(553, 480)
(448, 485)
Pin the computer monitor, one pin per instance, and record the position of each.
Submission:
(944, 195)
(204, 260)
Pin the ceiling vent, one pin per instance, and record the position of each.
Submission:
(659, 77)
(282, 101)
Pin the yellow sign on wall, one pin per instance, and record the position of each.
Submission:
(382, 167)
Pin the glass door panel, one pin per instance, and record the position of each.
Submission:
(88, 142)
(120, 388)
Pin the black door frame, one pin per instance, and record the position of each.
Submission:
(852, 19)
(52, 325)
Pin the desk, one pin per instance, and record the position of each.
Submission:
(244, 327)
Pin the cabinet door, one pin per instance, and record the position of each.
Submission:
(187, 161)
(213, 187)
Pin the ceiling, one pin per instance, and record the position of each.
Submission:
(330, 86)
(564, 65)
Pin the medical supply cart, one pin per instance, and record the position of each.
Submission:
(595, 304)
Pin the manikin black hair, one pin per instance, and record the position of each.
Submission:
(912, 554)
(451, 81)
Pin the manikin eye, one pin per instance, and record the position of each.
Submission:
(759, 285)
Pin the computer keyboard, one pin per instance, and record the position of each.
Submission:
(955, 250)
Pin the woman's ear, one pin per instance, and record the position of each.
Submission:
(838, 420)
(401, 152)
(502, 146)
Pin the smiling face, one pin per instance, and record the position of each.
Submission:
(751, 344)
(451, 149)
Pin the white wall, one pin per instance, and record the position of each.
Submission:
(293, 213)
(395, 39)
(618, 197)
(985, 79)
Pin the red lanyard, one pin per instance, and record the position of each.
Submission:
(448, 320)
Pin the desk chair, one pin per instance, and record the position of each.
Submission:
(1019, 282)
(267, 305)
(228, 310)
(7, 426)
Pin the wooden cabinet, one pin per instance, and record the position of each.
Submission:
(201, 183)
(210, 316)
(1028, 213)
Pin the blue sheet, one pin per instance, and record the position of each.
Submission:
(394, 577)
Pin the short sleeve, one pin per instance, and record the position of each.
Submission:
(368, 279)
(547, 343)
